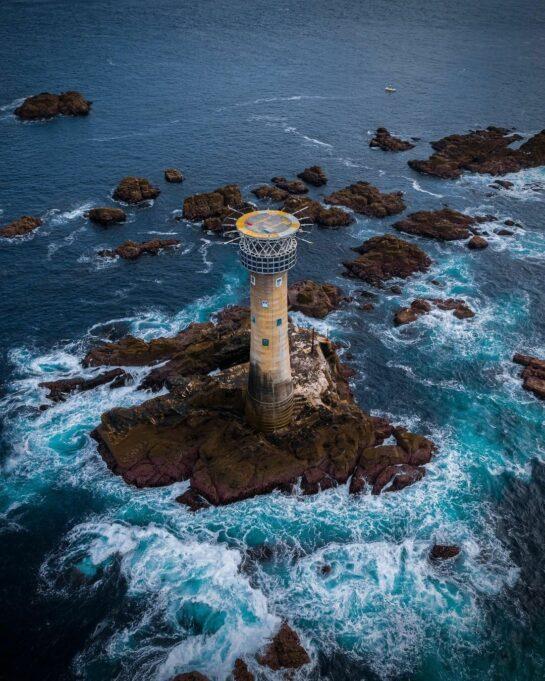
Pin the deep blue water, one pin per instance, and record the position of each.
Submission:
(238, 92)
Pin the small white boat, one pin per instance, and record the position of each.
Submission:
(389, 88)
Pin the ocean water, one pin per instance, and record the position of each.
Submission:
(100, 581)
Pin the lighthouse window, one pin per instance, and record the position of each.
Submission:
(253, 319)
(252, 280)
(278, 282)
(265, 342)
(264, 303)
(278, 322)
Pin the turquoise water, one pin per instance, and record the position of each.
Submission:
(102, 581)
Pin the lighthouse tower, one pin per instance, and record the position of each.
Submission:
(268, 249)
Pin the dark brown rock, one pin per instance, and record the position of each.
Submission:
(533, 374)
(366, 199)
(314, 299)
(131, 250)
(58, 390)
(274, 194)
(477, 243)
(501, 184)
(241, 671)
(325, 569)
(213, 225)
(135, 190)
(20, 227)
(190, 676)
(290, 186)
(385, 257)
(314, 175)
(383, 140)
(215, 204)
(444, 552)
(482, 151)
(47, 105)
(284, 651)
(106, 216)
(418, 307)
(174, 175)
(504, 232)
(445, 224)
(460, 308)
(316, 213)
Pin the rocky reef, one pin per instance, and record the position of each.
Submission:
(314, 175)
(440, 552)
(364, 198)
(174, 175)
(482, 151)
(387, 142)
(460, 309)
(316, 213)
(386, 257)
(215, 204)
(59, 390)
(197, 430)
(131, 250)
(20, 227)
(533, 374)
(445, 224)
(290, 186)
(106, 216)
(314, 299)
(266, 192)
(135, 190)
(48, 105)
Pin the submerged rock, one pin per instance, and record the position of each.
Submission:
(366, 199)
(215, 204)
(265, 191)
(477, 243)
(444, 552)
(385, 257)
(313, 175)
(502, 184)
(20, 227)
(290, 186)
(445, 224)
(48, 105)
(131, 250)
(174, 175)
(316, 213)
(284, 651)
(58, 390)
(482, 151)
(135, 190)
(419, 307)
(106, 216)
(533, 374)
(387, 142)
(314, 299)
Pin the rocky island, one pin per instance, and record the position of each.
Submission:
(364, 198)
(20, 227)
(47, 105)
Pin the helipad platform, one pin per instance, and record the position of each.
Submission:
(267, 224)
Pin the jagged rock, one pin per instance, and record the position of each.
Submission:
(504, 232)
(20, 227)
(326, 569)
(215, 204)
(366, 199)
(131, 250)
(444, 552)
(174, 175)
(192, 500)
(482, 151)
(316, 213)
(290, 186)
(313, 175)
(284, 651)
(135, 190)
(106, 216)
(58, 390)
(47, 105)
(275, 194)
(445, 224)
(501, 184)
(213, 225)
(533, 374)
(385, 257)
(419, 307)
(460, 308)
(387, 142)
(241, 671)
(190, 676)
(477, 243)
(314, 299)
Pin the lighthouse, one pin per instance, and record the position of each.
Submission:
(268, 250)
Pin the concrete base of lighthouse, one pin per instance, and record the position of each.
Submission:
(271, 416)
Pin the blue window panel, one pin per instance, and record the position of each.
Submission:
(265, 342)
(278, 322)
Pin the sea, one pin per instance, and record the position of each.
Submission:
(101, 581)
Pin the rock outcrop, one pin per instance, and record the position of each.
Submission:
(316, 213)
(477, 243)
(366, 199)
(266, 192)
(482, 151)
(131, 250)
(59, 390)
(441, 552)
(198, 431)
(241, 671)
(106, 216)
(314, 299)
(314, 175)
(385, 257)
(445, 224)
(284, 651)
(533, 374)
(290, 186)
(48, 105)
(190, 676)
(419, 307)
(20, 227)
(135, 190)
(387, 142)
(215, 204)
(174, 175)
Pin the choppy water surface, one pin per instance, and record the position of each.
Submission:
(100, 581)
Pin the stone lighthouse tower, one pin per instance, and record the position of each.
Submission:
(268, 249)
